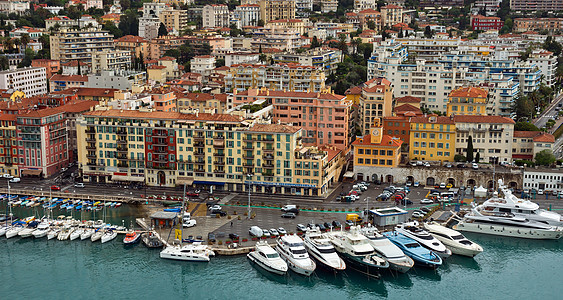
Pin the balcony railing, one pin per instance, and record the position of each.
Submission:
(268, 149)
(121, 132)
(91, 156)
(268, 166)
(248, 156)
(198, 154)
(121, 149)
(91, 147)
(219, 171)
(219, 162)
(248, 164)
(221, 154)
(122, 142)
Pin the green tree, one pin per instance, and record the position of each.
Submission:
(110, 26)
(162, 30)
(525, 126)
(24, 39)
(477, 157)
(428, 33)
(172, 53)
(4, 63)
(260, 23)
(371, 25)
(129, 23)
(315, 43)
(219, 63)
(262, 57)
(523, 107)
(545, 158)
(469, 155)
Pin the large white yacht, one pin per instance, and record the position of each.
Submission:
(358, 252)
(292, 250)
(506, 224)
(519, 207)
(320, 248)
(189, 252)
(453, 240)
(413, 231)
(397, 259)
(267, 258)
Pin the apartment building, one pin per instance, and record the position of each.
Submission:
(374, 152)
(134, 44)
(303, 8)
(441, 3)
(116, 60)
(247, 14)
(9, 161)
(467, 101)
(325, 59)
(536, 5)
(296, 25)
(277, 9)
(484, 23)
(148, 27)
(79, 44)
(432, 138)
(201, 150)
(376, 102)
(360, 5)
(14, 6)
(502, 93)
(31, 81)
(203, 102)
(72, 111)
(277, 39)
(176, 19)
(370, 15)
(215, 15)
(547, 179)
(64, 22)
(325, 117)
(552, 25)
(117, 79)
(391, 15)
(43, 138)
(491, 137)
(328, 6)
(526, 144)
(163, 99)
(60, 82)
(51, 66)
(203, 65)
(547, 63)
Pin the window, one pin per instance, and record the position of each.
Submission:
(360, 160)
(360, 151)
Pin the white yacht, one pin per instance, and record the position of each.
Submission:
(506, 224)
(109, 235)
(42, 229)
(413, 231)
(4, 228)
(97, 235)
(519, 207)
(76, 234)
(267, 258)
(453, 240)
(190, 252)
(53, 232)
(397, 259)
(65, 233)
(86, 234)
(27, 232)
(14, 231)
(292, 250)
(321, 249)
(357, 252)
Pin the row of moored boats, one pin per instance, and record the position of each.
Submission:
(60, 203)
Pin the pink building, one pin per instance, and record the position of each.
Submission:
(325, 117)
(43, 137)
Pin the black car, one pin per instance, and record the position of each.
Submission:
(327, 225)
(336, 224)
(288, 215)
(233, 236)
(409, 202)
(219, 212)
(293, 210)
(461, 166)
(321, 227)
(210, 237)
(425, 209)
(349, 223)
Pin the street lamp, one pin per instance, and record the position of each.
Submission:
(249, 176)
(367, 209)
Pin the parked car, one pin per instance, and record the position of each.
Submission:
(425, 209)
(475, 166)
(321, 226)
(442, 185)
(79, 185)
(233, 236)
(426, 164)
(15, 180)
(256, 231)
(266, 233)
(6, 175)
(407, 201)
(189, 223)
(412, 163)
(192, 194)
(419, 163)
(293, 210)
(301, 227)
(55, 188)
(288, 215)
(418, 214)
(449, 186)
(282, 231)
(336, 224)
(286, 208)
(327, 225)
(540, 192)
(349, 223)
(448, 165)
(461, 166)
(218, 212)
(416, 184)
(215, 207)
(426, 201)
(274, 232)
(211, 237)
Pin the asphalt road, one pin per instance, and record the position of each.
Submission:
(549, 113)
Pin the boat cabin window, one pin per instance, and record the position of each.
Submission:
(425, 237)
(412, 245)
(362, 252)
(441, 234)
(458, 237)
(326, 250)
(263, 255)
(506, 210)
(273, 255)
(298, 251)
(466, 242)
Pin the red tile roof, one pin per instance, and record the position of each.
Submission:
(41, 113)
(407, 107)
(60, 77)
(526, 134)
(546, 138)
(407, 99)
(386, 141)
(483, 119)
(433, 119)
(78, 106)
(469, 92)
(274, 128)
(133, 114)
(87, 92)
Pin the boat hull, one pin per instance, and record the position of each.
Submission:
(357, 264)
(509, 231)
(295, 267)
(39, 234)
(187, 257)
(264, 266)
(402, 265)
(323, 263)
(26, 233)
(108, 237)
(13, 232)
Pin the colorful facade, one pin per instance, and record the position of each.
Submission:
(467, 101)
(432, 138)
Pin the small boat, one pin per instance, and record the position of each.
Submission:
(132, 237)
(397, 259)
(292, 250)
(151, 240)
(423, 237)
(4, 228)
(78, 207)
(97, 235)
(107, 204)
(15, 230)
(70, 206)
(118, 204)
(76, 234)
(173, 209)
(65, 233)
(28, 231)
(189, 252)
(171, 203)
(453, 240)
(97, 203)
(113, 204)
(321, 249)
(86, 233)
(30, 203)
(42, 229)
(109, 235)
(53, 233)
(421, 256)
(267, 258)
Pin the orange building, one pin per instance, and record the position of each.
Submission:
(52, 66)
(164, 99)
(467, 101)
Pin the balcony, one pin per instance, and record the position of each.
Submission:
(122, 132)
(267, 156)
(199, 170)
(121, 149)
(248, 156)
(220, 154)
(199, 138)
(199, 154)
(268, 173)
(122, 165)
(248, 164)
(160, 150)
(496, 129)
(268, 149)
(219, 171)
(122, 157)
(121, 142)
(90, 140)
(199, 162)
(219, 138)
(91, 147)
(247, 139)
(219, 162)
(268, 166)
(90, 130)
(160, 134)
(268, 140)
(247, 147)
(160, 160)
(91, 156)
(219, 143)
(199, 144)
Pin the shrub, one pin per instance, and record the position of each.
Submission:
(220, 243)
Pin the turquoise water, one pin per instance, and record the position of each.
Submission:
(508, 269)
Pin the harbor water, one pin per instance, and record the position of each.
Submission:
(507, 269)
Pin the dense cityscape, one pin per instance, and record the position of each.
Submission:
(201, 122)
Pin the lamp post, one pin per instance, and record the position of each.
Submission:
(249, 176)
(367, 208)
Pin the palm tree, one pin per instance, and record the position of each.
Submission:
(355, 43)
(24, 39)
(8, 44)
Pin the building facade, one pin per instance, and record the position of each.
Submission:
(277, 9)
(215, 15)
(247, 14)
(376, 102)
(116, 60)
(325, 59)
(536, 5)
(432, 138)
(467, 101)
(73, 44)
(31, 81)
(484, 23)
(9, 161)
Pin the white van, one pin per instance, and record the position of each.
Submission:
(15, 179)
(256, 231)
(288, 207)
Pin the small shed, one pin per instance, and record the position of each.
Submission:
(162, 219)
(389, 216)
(480, 192)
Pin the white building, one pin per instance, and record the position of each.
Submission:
(215, 15)
(547, 63)
(203, 65)
(543, 179)
(325, 59)
(111, 60)
(121, 80)
(360, 5)
(94, 4)
(17, 7)
(31, 81)
(247, 14)
(329, 5)
(66, 22)
(235, 58)
(153, 9)
(148, 27)
(303, 8)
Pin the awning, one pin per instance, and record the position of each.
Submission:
(349, 174)
(209, 182)
(185, 180)
(127, 178)
(31, 172)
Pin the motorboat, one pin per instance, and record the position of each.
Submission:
(357, 252)
(151, 240)
(53, 233)
(4, 228)
(506, 224)
(453, 240)
(28, 231)
(267, 258)
(42, 229)
(423, 237)
(421, 255)
(109, 235)
(87, 233)
(65, 233)
(527, 209)
(77, 233)
(292, 250)
(321, 249)
(97, 235)
(189, 252)
(15, 229)
(132, 237)
(397, 259)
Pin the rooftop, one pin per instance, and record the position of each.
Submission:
(469, 92)
(483, 119)
(132, 114)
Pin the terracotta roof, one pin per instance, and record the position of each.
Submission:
(355, 90)
(156, 67)
(469, 92)
(133, 114)
(378, 80)
(73, 63)
(223, 68)
(87, 92)
(375, 89)
(406, 107)
(390, 6)
(438, 120)
(41, 113)
(78, 106)
(483, 119)
(131, 39)
(291, 94)
(526, 134)
(286, 21)
(8, 117)
(60, 77)
(167, 58)
(277, 128)
(386, 141)
(407, 99)
(369, 11)
(546, 138)
(330, 153)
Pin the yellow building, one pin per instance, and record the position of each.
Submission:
(9, 163)
(353, 94)
(467, 101)
(375, 150)
(376, 102)
(201, 150)
(276, 10)
(432, 138)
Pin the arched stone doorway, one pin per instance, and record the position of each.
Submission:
(374, 178)
(389, 178)
(451, 181)
(161, 177)
(513, 185)
(471, 182)
(430, 181)
(490, 184)
(360, 176)
(410, 179)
